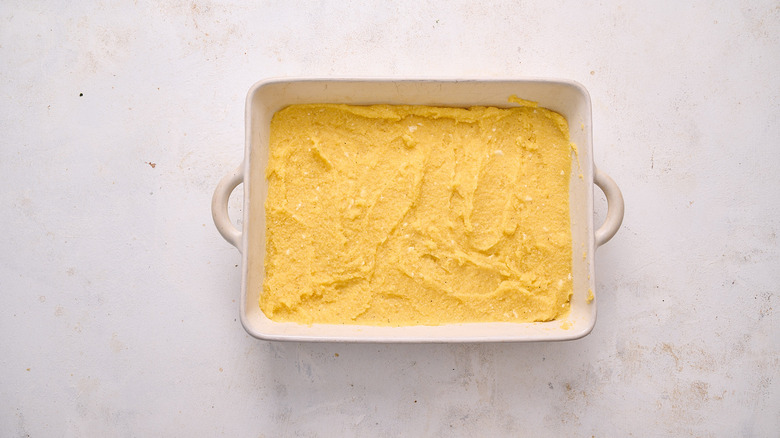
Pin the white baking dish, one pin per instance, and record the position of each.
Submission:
(568, 98)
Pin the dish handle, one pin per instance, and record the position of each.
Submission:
(615, 207)
(219, 206)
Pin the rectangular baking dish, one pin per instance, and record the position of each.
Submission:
(565, 97)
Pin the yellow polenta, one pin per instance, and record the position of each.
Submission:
(408, 215)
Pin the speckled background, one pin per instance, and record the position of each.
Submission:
(118, 313)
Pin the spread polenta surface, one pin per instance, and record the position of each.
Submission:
(417, 215)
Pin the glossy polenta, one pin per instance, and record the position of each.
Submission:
(410, 215)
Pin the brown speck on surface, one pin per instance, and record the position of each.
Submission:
(700, 390)
(153, 165)
(592, 72)
(220, 369)
(669, 349)
(336, 355)
(28, 369)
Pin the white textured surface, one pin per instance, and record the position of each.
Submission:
(117, 312)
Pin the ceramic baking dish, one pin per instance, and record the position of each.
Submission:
(566, 97)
